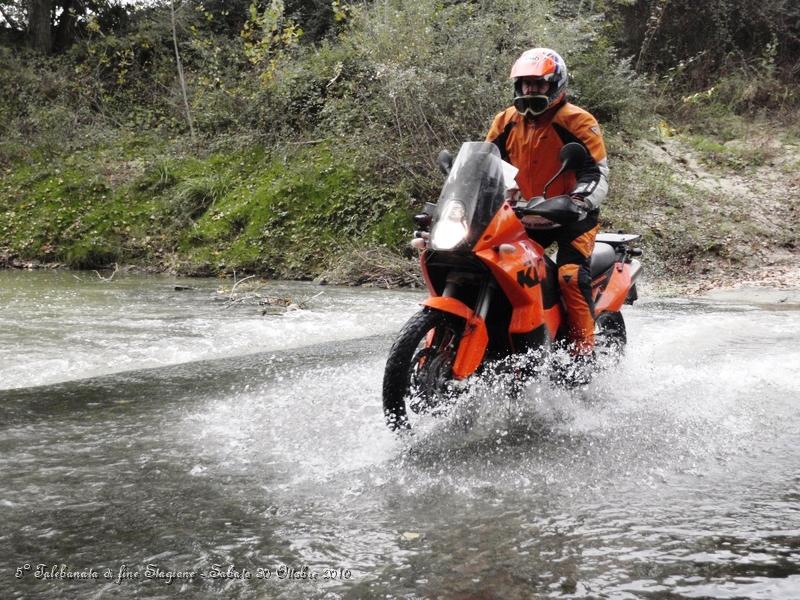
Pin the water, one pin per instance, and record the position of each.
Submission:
(223, 442)
(60, 326)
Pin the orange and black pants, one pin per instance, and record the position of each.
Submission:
(575, 244)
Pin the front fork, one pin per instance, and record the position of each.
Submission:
(475, 339)
(484, 299)
(484, 296)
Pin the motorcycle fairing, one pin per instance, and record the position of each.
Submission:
(612, 296)
(474, 340)
(527, 311)
(519, 273)
(504, 225)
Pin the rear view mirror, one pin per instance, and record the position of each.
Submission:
(445, 161)
(573, 156)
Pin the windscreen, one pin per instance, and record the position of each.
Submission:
(470, 197)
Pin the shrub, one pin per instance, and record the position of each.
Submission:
(697, 43)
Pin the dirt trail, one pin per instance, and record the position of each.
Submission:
(751, 188)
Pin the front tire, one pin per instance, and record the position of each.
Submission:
(419, 367)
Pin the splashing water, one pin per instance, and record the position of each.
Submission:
(673, 474)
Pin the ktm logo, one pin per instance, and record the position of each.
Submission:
(524, 277)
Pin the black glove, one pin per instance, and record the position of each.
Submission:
(580, 202)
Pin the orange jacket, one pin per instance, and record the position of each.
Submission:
(533, 147)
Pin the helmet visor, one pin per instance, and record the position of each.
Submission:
(530, 106)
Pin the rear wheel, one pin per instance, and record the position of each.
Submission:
(609, 338)
(419, 370)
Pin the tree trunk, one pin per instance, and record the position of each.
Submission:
(65, 30)
(40, 18)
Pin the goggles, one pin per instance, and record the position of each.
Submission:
(531, 106)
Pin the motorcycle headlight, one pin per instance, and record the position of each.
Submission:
(451, 228)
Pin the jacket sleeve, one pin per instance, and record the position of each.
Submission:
(592, 177)
(495, 129)
(498, 134)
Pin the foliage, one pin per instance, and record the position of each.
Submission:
(697, 42)
(267, 34)
(284, 215)
(406, 79)
(293, 215)
(318, 122)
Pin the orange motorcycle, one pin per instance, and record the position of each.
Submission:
(493, 291)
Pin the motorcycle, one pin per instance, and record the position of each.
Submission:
(493, 292)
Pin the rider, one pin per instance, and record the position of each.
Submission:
(530, 135)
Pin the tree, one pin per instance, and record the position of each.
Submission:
(179, 64)
(706, 37)
(53, 25)
(40, 20)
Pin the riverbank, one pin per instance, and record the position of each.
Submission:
(711, 213)
(139, 200)
(305, 157)
(774, 284)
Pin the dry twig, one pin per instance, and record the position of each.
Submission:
(235, 283)
(110, 277)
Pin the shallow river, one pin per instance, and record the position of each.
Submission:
(159, 443)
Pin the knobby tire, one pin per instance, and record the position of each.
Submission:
(397, 376)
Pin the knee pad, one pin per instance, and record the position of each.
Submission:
(570, 276)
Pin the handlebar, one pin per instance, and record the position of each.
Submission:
(559, 209)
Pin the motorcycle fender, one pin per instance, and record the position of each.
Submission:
(613, 296)
(449, 305)
(475, 339)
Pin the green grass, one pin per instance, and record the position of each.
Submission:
(290, 218)
(138, 201)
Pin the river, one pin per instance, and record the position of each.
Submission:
(158, 442)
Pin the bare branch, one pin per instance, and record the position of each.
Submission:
(238, 282)
(9, 20)
(308, 142)
(180, 68)
(110, 277)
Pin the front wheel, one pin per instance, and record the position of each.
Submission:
(610, 338)
(419, 369)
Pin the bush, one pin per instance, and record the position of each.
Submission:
(414, 77)
(351, 122)
(698, 43)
